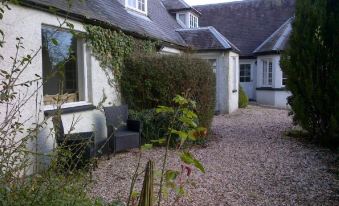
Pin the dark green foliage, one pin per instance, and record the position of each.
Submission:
(312, 65)
(149, 81)
(243, 99)
(154, 126)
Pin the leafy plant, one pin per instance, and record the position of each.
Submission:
(312, 67)
(243, 99)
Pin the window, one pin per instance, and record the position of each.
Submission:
(63, 66)
(235, 74)
(138, 5)
(284, 78)
(267, 73)
(245, 73)
(213, 62)
(182, 18)
(193, 21)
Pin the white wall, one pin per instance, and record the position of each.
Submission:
(275, 95)
(226, 98)
(25, 22)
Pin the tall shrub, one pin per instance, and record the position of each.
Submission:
(311, 64)
(148, 81)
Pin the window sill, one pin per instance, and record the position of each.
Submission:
(67, 108)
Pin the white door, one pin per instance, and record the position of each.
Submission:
(246, 80)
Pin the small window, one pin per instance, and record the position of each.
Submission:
(63, 72)
(267, 73)
(284, 78)
(213, 62)
(193, 21)
(138, 5)
(245, 73)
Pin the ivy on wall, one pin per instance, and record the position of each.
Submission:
(111, 47)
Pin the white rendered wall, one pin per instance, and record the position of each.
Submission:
(25, 22)
(226, 99)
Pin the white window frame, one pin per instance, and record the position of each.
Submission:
(267, 72)
(214, 64)
(82, 78)
(136, 6)
(246, 76)
(193, 21)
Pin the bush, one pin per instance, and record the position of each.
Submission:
(312, 66)
(243, 99)
(149, 81)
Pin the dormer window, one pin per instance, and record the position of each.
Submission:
(193, 21)
(187, 20)
(137, 5)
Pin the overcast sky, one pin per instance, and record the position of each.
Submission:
(199, 2)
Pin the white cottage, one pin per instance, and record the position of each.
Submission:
(174, 23)
(260, 30)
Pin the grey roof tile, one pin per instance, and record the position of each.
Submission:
(206, 38)
(247, 23)
(278, 40)
(158, 24)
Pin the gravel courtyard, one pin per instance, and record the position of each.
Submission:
(249, 162)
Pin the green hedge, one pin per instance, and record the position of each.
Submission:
(153, 80)
(243, 99)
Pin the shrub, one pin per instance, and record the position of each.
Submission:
(243, 99)
(312, 66)
(148, 81)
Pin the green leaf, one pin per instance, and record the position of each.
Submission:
(188, 158)
(164, 109)
(171, 175)
(180, 100)
(55, 42)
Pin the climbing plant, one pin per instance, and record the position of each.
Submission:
(111, 47)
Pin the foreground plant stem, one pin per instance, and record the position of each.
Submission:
(134, 178)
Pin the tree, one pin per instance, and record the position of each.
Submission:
(311, 63)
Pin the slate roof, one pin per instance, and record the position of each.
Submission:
(178, 5)
(206, 38)
(159, 24)
(278, 40)
(247, 23)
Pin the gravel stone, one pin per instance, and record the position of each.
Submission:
(248, 162)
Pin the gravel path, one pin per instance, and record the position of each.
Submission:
(250, 162)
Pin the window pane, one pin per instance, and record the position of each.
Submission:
(264, 73)
(132, 3)
(245, 73)
(141, 5)
(182, 18)
(59, 63)
(270, 73)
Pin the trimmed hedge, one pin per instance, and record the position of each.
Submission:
(153, 80)
(243, 99)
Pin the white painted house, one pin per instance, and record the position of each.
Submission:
(260, 30)
(175, 23)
